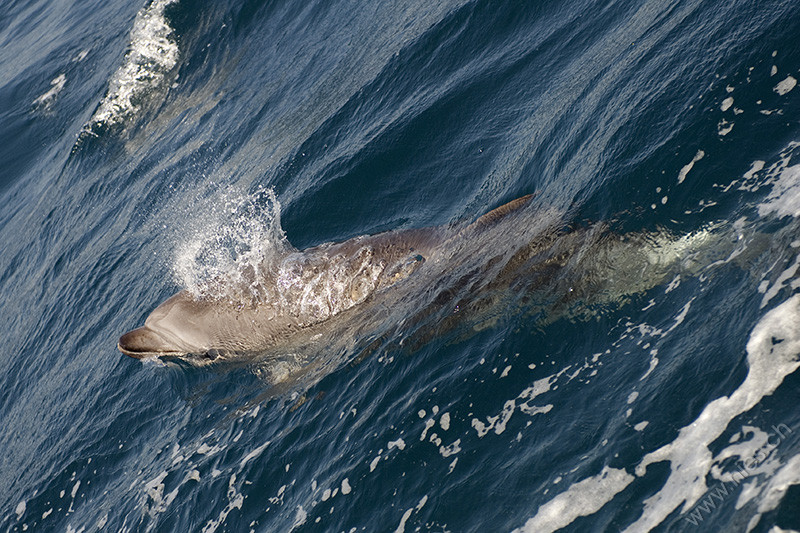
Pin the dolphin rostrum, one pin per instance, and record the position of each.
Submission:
(550, 265)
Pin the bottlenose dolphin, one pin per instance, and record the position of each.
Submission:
(556, 270)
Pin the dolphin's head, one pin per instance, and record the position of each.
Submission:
(176, 327)
(315, 285)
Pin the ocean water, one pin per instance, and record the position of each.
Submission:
(637, 373)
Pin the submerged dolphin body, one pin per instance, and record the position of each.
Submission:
(557, 271)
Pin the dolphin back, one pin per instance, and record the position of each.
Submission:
(495, 215)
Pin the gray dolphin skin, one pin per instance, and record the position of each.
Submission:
(512, 258)
(359, 267)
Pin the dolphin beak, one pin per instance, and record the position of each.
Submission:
(143, 342)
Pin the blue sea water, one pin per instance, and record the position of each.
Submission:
(140, 147)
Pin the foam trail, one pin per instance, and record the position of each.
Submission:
(581, 499)
(775, 490)
(772, 354)
(152, 54)
(784, 199)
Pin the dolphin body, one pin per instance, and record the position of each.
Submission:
(212, 326)
(557, 271)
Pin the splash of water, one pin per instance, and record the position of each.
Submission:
(152, 54)
(237, 252)
(237, 244)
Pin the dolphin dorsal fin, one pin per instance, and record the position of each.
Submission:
(496, 214)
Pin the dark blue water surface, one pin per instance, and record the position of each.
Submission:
(132, 133)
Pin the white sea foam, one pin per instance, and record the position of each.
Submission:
(726, 104)
(787, 277)
(784, 199)
(756, 167)
(374, 463)
(759, 175)
(773, 492)
(444, 421)
(402, 526)
(772, 354)
(236, 237)
(300, 517)
(428, 425)
(690, 165)
(581, 499)
(452, 449)
(154, 490)
(45, 101)
(752, 452)
(252, 455)
(498, 422)
(786, 85)
(235, 501)
(151, 56)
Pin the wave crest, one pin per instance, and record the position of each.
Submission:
(152, 54)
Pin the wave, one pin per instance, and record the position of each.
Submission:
(46, 100)
(152, 55)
